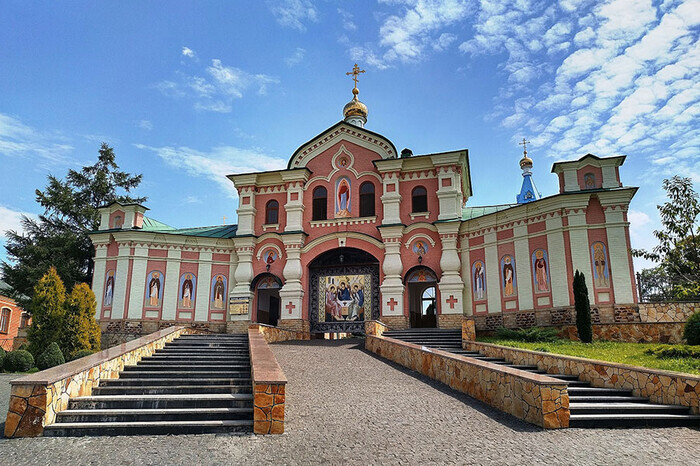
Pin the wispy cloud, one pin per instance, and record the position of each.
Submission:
(217, 162)
(613, 77)
(347, 19)
(20, 140)
(11, 219)
(188, 52)
(294, 13)
(145, 124)
(216, 87)
(296, 57)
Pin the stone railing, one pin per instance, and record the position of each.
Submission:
(375, 327)
(659, 386)
(276, 334)
(632, 332)
(269, 386)
(35, 399)
(667, 312)
(537, 399)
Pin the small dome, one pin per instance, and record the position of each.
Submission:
(526, 162)
(355, 107)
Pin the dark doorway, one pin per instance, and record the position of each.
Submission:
(267, 298)
(421, 285)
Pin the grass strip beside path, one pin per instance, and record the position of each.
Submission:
(624, 353)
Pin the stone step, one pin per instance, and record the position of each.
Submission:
(195, 350)
(605, 399)
(563, 376)
(179, 366)
(205, 344)
(197, 357)
(595, 391)
(150, 415)
(150, 381)
(523, 367)
(147, 428)
(634, 420)
(626, 408)
(145, 374)
(231, 400)
(171, 389)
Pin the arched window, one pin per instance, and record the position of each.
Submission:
(427, 301)
(24, 320)
(320, 209)
(272, 212)
(5, 320)
(419, 200)
(367, 199)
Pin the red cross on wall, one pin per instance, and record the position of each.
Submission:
(290, 307)
(391, 303)
(452, 301)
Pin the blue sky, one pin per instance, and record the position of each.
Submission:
(188, 92)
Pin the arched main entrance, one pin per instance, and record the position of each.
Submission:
(421, 286)
(344, 291)
(267, 298)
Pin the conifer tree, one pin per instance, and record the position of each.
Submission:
(80, 329)
(48, 309)
(583, 308)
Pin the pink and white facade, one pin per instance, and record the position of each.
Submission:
(354, 231)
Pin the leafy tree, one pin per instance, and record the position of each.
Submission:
(584, 327)
(47, 308)
(59, 237)
(80, 330)
(654, 285)
(678, 251)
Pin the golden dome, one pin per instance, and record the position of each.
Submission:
(526, 161)
(355, 107)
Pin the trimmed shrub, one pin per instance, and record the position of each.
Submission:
(19, 361)
(675, 352)
(529, 335)
(584, 327)
(47, 308)
(692, 329)
(82, 353)
(80, 330)
(51, 357)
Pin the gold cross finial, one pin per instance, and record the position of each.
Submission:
(224, 220)
(524, 144)
(355, 73)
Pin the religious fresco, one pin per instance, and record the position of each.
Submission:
(270, 256)
(154, 288)
(268, 282)
(508, 276)
(343, 205)
(344, 297)
(109, 289)
(589, 181)
(188, 285)
(218, 292)
(479, 280)
(540, 270)
(421, 275)
(601, 273)
(420, 247)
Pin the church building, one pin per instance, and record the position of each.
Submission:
(353, 230)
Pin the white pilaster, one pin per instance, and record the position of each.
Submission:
(619, 260)
(493, 282)
(120, 280)
(392, 287)
(451, 285)
(98, 277)
(292, 293)
(138, 282)
(557, 263)
(580, 250)
(467, 279)
(523, 270)
(201, 310)
(172, 282)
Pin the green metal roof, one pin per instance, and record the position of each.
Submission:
(469, 213)
(216, 231)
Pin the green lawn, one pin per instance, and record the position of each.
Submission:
(625, 353)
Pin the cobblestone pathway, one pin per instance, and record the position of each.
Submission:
(346, 406)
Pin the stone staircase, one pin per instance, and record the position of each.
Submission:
(589, 406)
(195, 384)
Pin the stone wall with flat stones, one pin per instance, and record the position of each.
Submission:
(116, 332)
(537, 399)
(663, 387)
(298, 325)
(277, 334)
(396, 322)
(632, 332)
(667, 312)
(450, 321)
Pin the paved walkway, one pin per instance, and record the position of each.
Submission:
(346, 406)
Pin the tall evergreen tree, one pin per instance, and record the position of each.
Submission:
(80, 330)
(48, 310)
(583, 308)
(59, 237)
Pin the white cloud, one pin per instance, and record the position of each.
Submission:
(217, 163)
(295, 58)
(20, 140)
(145, 124)
(294, 13)
(217, 88)
(188, 52)
(347, 18)
(11, 219)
